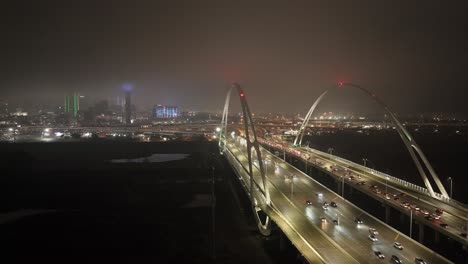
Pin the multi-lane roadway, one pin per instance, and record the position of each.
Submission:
(421, 207)
(300, 199)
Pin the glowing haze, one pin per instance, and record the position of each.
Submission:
(412, 54)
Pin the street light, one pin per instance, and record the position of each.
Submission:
(292, 186)
(386, 179)
(451, 181)
(411, 222)
(307, 162)
(365, 162)
(330, 151)
(14, 133)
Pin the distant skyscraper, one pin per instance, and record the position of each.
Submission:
(3, 108)
(128, 107)
(163, 111)
(72, 104)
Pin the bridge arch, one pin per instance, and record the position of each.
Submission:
(252, 144)
(413, 148)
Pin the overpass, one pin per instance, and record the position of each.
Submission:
(294, 201)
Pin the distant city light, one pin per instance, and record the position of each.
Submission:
(127, 87)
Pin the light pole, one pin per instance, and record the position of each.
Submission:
(292, 186)
(14, 133)
(307, 162)
(365, 162)
(330, 151)
(451, 181)
(342, 186)
(386, 179)
(411, 222)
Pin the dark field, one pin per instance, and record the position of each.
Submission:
(64, 203)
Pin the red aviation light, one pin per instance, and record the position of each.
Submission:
(241, 94)
(340, 84)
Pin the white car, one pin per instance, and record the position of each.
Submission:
(373, 238)
(373, 231)
(398, 245)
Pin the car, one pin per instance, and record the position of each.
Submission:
(325, 207)
(336, 222)
(373, 238)
(435, 216)
(444, 225)
(378, 191)
(396, 198)
(373, 231)
(397, 245)
(319, 194)
(308, 202)
(463, 235)
(323, 219)
(419, 261)
(428, 217)
(333, 204)
(325, 204)
(358, 221)
(372, 186)
(387, 197)
(379, 254)
(396, 260)
(424, 212)
(361, 183)
(417, 208)
(439, 211)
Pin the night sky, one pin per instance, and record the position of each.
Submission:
(413, 54)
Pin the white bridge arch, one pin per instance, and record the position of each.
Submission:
(252, 143)
(413, 148)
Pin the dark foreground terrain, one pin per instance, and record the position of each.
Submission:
(65, 203)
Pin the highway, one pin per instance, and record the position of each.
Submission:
(453, 216)
(290, 189)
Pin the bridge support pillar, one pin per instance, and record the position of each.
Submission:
(402, 218)
(338, 186)
(387, 213)
(436, 237)
(421, 233)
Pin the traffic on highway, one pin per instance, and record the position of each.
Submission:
(365, 238)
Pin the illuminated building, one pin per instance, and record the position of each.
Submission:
(163, 111)
(72, 104)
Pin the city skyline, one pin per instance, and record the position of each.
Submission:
(411, 55)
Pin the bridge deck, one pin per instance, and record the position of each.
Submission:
(343, 243)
